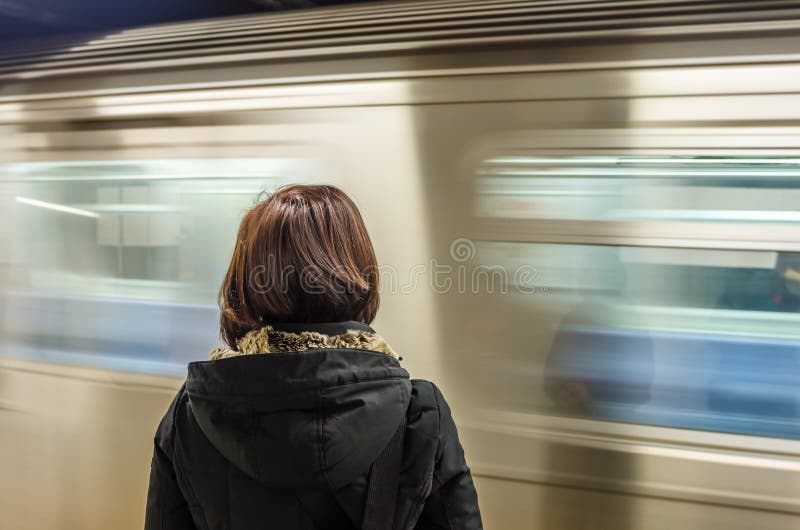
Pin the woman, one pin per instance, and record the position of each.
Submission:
(306, 420)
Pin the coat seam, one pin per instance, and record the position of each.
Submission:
(184, 396)
(438, 443)
(228, 486)
(321, 440)
(404, 403)
(163, 505)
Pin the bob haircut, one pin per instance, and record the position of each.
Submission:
(302, 255)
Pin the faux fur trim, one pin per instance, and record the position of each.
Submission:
(269, 340)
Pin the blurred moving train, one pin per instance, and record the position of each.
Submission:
(606, 192)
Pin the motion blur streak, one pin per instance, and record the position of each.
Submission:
(56, 207)
(637, 159)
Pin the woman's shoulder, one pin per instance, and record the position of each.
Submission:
(424, 394)
(165, 432)
(429, 407)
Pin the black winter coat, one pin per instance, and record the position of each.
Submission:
(286, 440)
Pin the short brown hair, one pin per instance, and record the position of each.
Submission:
(302, 255)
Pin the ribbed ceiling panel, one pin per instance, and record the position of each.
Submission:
(394, 26)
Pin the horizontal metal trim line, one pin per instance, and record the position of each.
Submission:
(330, 101)
(686, 494)
(334, 25)
(130, 380)
(230, 105)
(513, 161)
(759, 60)
(435, 30)
(670, 151)
(561, 427)
(633, 241)
(393, 46)
(145, 178)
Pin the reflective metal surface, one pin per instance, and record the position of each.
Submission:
(590, 245)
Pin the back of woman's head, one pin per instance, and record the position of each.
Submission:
(301, 255)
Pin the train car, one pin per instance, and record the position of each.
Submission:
(585, 213)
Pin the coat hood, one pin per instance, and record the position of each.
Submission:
(316, 411)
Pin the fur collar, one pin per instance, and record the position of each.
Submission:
(271, 340)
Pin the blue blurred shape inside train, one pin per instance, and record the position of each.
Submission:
(607, 192)
(657, 332)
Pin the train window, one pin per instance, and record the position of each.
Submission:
(694, 334)
(724, 201)
(117, 263)
(710, 189)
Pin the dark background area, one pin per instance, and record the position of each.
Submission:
(21, 20)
